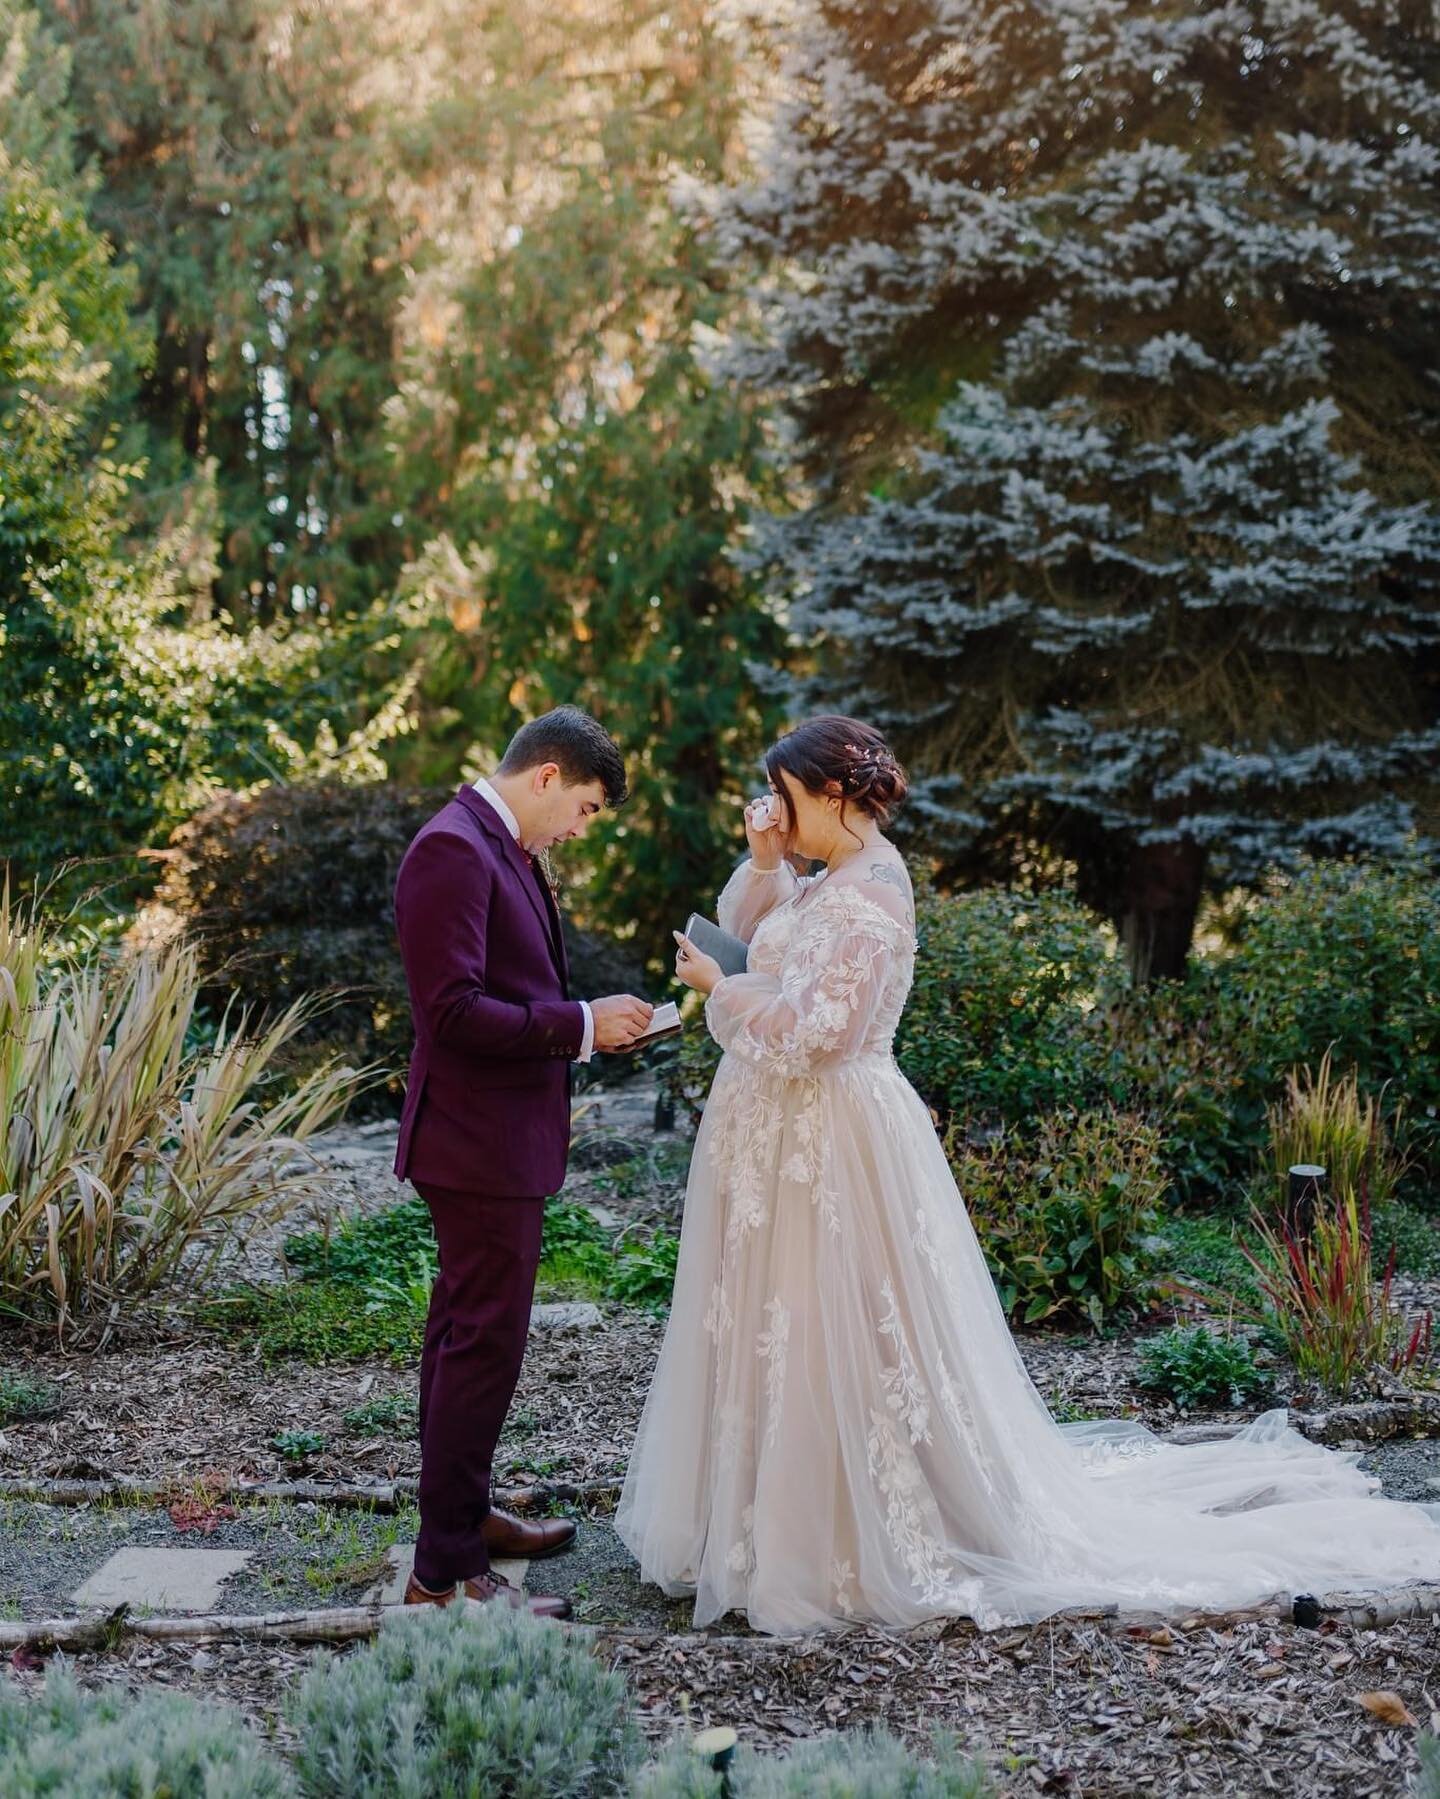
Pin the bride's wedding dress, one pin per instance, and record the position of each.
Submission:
(840, 1426)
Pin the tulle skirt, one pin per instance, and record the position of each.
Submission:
(841, 1428)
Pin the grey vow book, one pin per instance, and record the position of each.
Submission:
(732, 953)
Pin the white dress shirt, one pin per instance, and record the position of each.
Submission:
(512, 825)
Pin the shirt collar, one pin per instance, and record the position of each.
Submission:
(507, 817)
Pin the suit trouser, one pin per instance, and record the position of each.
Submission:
(474, 1344)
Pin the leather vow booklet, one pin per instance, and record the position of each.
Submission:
(732, 953)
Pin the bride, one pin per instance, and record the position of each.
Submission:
(840, 1426)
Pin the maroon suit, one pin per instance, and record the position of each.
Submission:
(484, 1137)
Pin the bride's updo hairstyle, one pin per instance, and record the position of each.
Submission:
(840, 755)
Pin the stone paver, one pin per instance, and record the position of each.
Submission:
(390, 1590)
(172, 1580)
(566, 1315)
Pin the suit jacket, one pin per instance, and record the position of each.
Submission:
(487, 1108)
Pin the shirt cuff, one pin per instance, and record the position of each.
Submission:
(768, 871)
(587, 1040)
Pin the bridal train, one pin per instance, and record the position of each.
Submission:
(840, 1426)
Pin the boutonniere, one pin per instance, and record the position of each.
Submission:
(547, 874)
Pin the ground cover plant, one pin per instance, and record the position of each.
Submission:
(467, 1700)
(363, 1288)
(1200, 1367)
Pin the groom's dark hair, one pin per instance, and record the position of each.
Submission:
(578, 745)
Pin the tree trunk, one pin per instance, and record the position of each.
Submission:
(1159, 897)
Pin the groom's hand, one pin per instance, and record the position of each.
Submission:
(620, 1019)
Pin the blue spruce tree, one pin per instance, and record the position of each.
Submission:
(1107, 334)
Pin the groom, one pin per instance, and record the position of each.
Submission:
(486, 1126)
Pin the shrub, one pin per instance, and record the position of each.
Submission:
(108, 1746)
(129, 1152)
(1345, 957)
(1199, 1367)
(291, 890)
(678, 1774)
(995, 1027)
(872, 1765)
(471, 1700)
(1411, 1237)
(1067, 1222)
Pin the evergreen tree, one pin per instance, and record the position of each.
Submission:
(1107, 332)
(244, 153)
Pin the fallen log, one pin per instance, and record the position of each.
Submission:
(339, 1625)
(1363, 1611)
(383, 1496)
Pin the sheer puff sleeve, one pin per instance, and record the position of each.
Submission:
(750, 893)
(819, 1009)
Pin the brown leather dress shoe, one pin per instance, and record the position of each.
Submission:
(508, 1538)
(415, 1594)
(490, 1589)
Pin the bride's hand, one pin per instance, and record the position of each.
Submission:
(695, 969)
(763, 831)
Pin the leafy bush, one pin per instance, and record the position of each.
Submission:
(469, 1700)
(1199, 1367)
(1067, 1221)
(1346, 958)
(291, 890)
(873, 1765)
(109, 1746)
(129, 1153)
(995, 1024)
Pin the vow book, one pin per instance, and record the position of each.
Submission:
(732, 953)
(665, 1023)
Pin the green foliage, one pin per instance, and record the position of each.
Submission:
(469, 1700)
(873, 1765)
(297, 1445)
(130, 1154)
(67, 1745)
(396, 1415)
(364, 1287)
(1428, 1746)
(368, 1246)
(1410, 1235)
(1344, 958)
(1203, 1252)
(1068, 1219)
(994, 1027)
(1199, 1367)
(319, 1321)
(24, 1398)
(581, 1257)
(677, 1774)
(1340, 1324)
